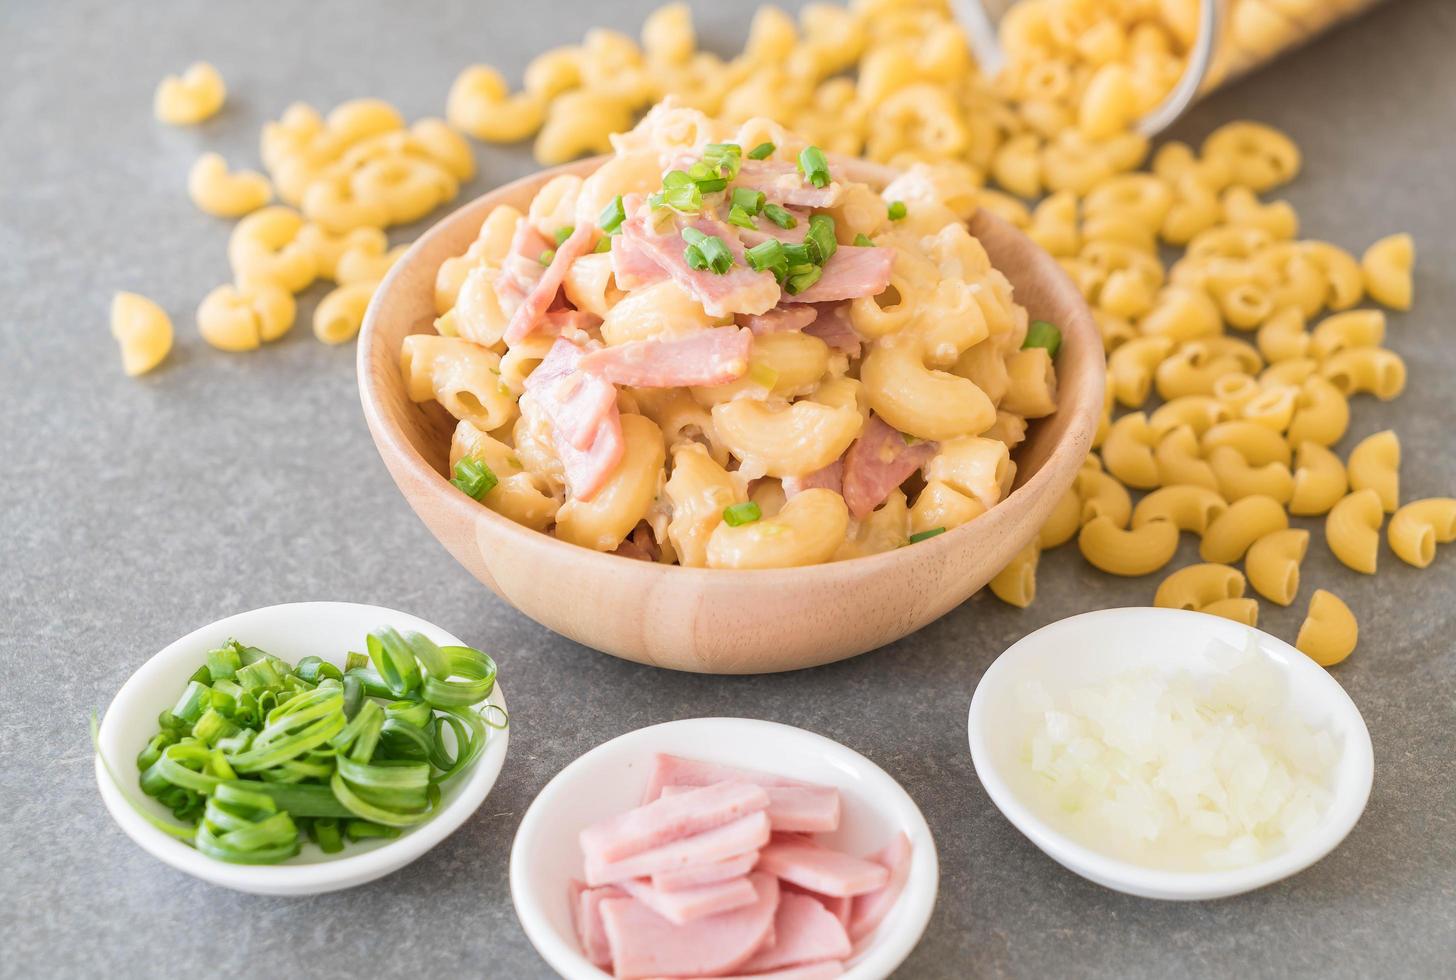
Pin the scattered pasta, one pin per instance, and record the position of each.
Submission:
(1329, 632)
(143, 330)
(195, 95)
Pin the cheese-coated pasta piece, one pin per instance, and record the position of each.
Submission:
(807, 531)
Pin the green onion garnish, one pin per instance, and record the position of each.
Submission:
(679, 192)
(612, 215)
(896, 210)
(762, 151)
(922, 535)
(563, 233)
(798, 281)
(695, 258)
(779, 216)
(797, 254)
(708, 179)
(748, 199)
(814, 166)
(1043, 334)
(604, 245)
(547, 256)
(766, 255)
(736, 515)
(725, 158)
(863, 241)
(717, 253)
(820, 241)
(473, 478)
(741, 218)
(311, 751)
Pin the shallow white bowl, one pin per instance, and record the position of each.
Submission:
(289, 632)
(611, 777)
(1096, 646)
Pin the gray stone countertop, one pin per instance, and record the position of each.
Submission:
(135, 511)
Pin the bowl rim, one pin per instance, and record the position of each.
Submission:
(387, 429)
(1356, 767)
(289, 879)
(885, 952)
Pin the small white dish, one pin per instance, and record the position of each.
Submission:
(289, 632)
(1097, 646)
(611, 777)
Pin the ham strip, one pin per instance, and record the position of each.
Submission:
(827, 970)
(832, 325)
(791, 809)
(852, 271)
(739, 290)
(644, 944)
(782, 183)
(819, 869)
(745, 834)
(586, 915)
(633, 266)
(576, 402)
(670, 818)
(521, 269)
(709, 357)
(780, 319)
(839, 906)
(804, 932)
(765, 230)
(876, 463)
(675, 770)
(690, 904)
(830, 477)
(705, 874)
(569, 322)
(869, 910)
(528, 315)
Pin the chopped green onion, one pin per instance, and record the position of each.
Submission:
(919, 536)
(282, 754)
(724, 158)
(896, 210)
(708, 179)
(695, 258)
(797, 254)
(547, 256)
(692, 235)
(676, 178)
(603, 245)
(1043, 334)
(612, 215)
(767, 254)
(779, 216)
(762, 151)
(814, 166)
(863, 241)
(802, 280)
(741, 218)
(716, 251)
(563, 233)
(820, 241)
(748, 199)
(736, 515)
(473, 478)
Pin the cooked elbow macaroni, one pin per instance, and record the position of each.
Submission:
(745, 428)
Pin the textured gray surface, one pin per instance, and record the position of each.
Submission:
(135, 511)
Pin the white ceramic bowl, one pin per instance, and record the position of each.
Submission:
(290, 632)
(1096, 646)
(610, 778)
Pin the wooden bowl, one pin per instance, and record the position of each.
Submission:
(718, 620)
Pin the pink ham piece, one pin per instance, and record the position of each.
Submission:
(588, 470)
(633, 266)
(730, 840)
(830, 477)
(791, 809)
(782, 183)
(876, 463)
(827, 970)
(675, 770)
(839, 906)
(670, 818)
(739, 290)
(569, 322)
(528, 315)
(780, 319)
(705, 874)
(576, 402)
(869, 910)
(766, 230)
(644, 944)
(709, 357)
(818, 869)
(521, 269)
(852, 271)
(833, 326)
(804, 932)
(690, 904)
(586, 915)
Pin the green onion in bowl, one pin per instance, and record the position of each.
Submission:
(256, 755)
